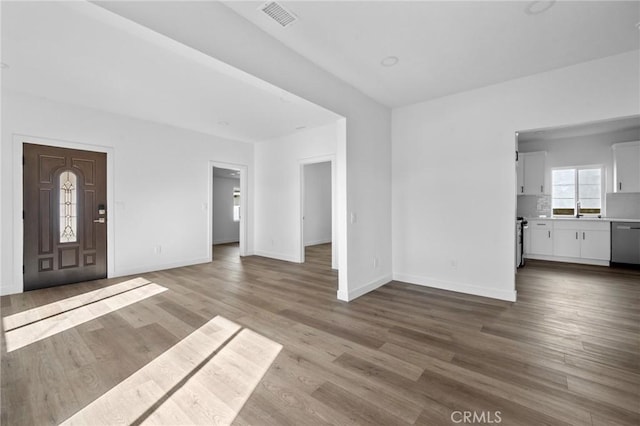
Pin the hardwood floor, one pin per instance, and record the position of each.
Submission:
(566, 353)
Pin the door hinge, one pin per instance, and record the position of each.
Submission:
(22, 214)
(23, 160)
(517, 155)
(23, 269)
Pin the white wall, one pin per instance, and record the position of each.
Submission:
(278, 189)
(160, 184)
(454, 177)
(317, 203)
(225, 229)
(363, 166)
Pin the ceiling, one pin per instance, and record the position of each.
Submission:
(82, 54)
(617, 125)
(448, 47)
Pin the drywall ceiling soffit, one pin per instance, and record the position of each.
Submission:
(82, 54)
(226, 173)
(445, 47)
(602, 127)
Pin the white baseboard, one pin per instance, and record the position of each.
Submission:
(158, 267)
(226, 241)
(316, 242)
(466, 288)
(568, 259)
(278, 256)
(360, 291)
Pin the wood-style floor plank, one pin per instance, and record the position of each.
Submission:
(129, 400)
(32, 332)
(566, 353)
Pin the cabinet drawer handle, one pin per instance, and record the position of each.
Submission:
(522, 189)
(541, 188)
(583, 235)
(541, 224)
(620, 186)
(576, 235)
(549, 234)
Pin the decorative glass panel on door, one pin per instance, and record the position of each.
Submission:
(68, 207)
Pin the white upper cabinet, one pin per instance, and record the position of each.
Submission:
(626, 167)
(520, 175)
(531, 170)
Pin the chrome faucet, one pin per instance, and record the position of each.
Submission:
(578, 209)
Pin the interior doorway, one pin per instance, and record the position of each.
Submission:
(228, 210)
(318, 223)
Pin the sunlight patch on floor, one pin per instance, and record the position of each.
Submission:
(41, 312)
(206, 378)
(32, 332)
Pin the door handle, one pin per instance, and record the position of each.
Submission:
(101, 220)
(583, 235)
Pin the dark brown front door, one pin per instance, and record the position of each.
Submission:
(65, 230)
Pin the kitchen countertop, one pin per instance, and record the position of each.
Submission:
(596, 219)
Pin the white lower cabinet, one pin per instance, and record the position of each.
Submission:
(540, 234)
(596, 245)
(566, 243)
(564, 240)
(587, 240)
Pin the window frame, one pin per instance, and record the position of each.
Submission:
(576, 176)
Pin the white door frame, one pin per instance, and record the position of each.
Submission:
(334, 211)
(18, 189)
(244, 186)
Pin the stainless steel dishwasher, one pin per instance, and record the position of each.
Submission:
(625, 242)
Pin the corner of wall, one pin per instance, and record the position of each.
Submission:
(348, 296)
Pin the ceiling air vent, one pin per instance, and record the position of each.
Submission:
(278, 13)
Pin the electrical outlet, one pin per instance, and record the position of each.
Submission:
(354, 218)
(157, 249)
(376, 262)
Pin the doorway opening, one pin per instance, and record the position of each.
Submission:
(318, 213)
(228, 211)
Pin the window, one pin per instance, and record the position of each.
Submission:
(571, 186)
(236, 204)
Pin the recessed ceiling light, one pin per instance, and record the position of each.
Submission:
(537, 7)
(3, 65)
(223, 123)
(389, 61)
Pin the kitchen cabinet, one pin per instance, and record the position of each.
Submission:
(566, 243)
(531, 173)
(580, 239)
(540, 236)
(567, 240)
(626, 167)
(596, 245)
(520, 175)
